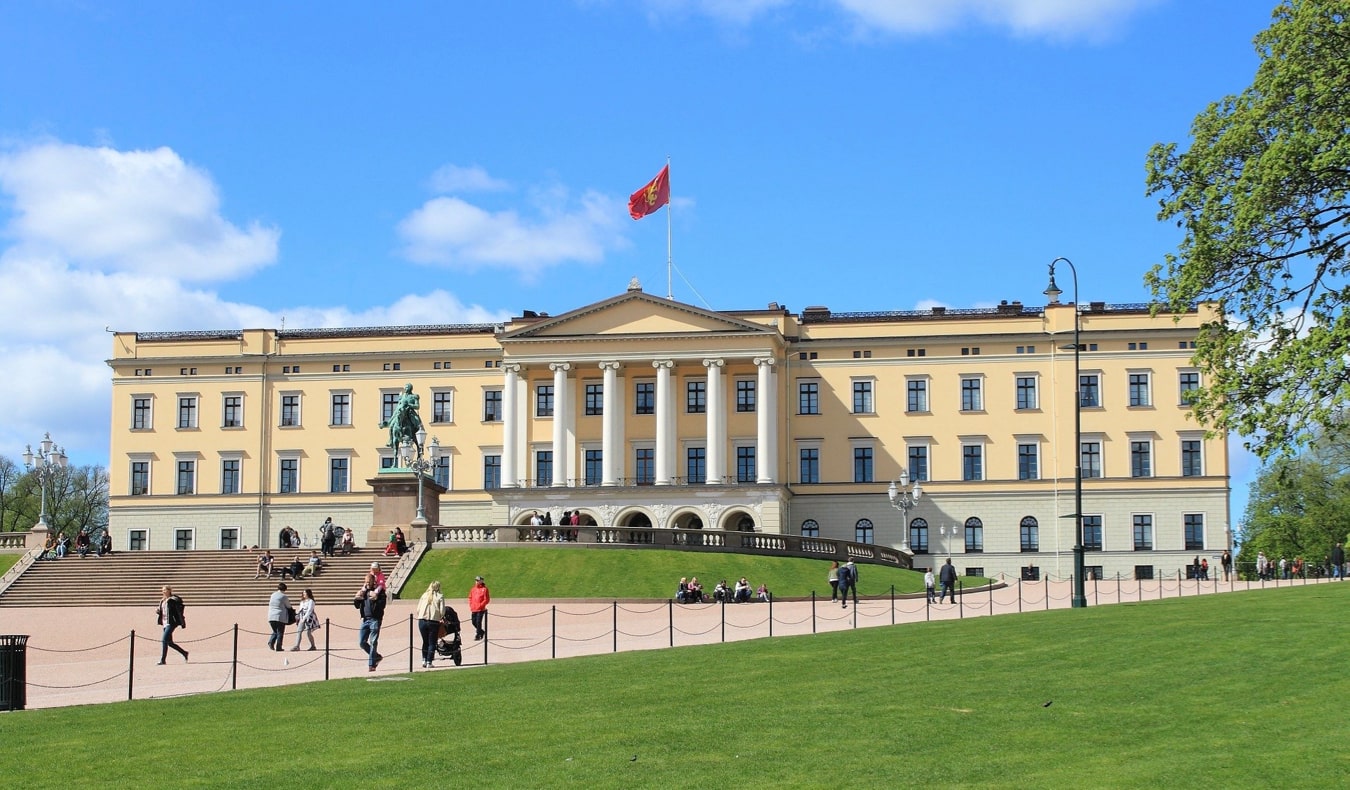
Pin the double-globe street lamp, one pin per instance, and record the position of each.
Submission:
(423, 462)
(1052, 291)
(46, 463)
(904, 496)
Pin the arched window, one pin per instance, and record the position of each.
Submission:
(974, 535)
(810, 529)
(862, 531)
(918, 536)
(1031, 534)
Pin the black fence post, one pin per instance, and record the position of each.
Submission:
(234, 661)
(770, 615)
(813, 611)
(616, 626)
(670, 618)
(1019, 596)
(485, 637)
(1095, 600)
(961, 599)
(131, 663)
(327, 642)
(553, 632)
(991, 597)
(892, 604)
(724, 618)
(410, 642)
(1047, 592)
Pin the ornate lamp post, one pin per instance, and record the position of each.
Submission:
(948, 532)
(904, 496)
(45, 464)
(421, 464)
(1053, 291)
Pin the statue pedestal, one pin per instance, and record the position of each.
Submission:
(395, 504)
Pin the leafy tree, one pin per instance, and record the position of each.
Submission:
(1262, 198)
(77, 498)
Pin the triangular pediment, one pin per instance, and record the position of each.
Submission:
(635, 314)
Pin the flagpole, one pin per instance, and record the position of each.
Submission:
(670, 259)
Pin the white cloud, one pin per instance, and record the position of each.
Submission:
(453, 179)
(70, 270)
(452, 232)
(1023, 17)
(146, 212)
(1054, 18)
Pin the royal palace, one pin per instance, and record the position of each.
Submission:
(641, 411)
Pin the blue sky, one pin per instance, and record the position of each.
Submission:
(172, 166)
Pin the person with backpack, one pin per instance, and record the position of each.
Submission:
(848, 580)
(170, 615)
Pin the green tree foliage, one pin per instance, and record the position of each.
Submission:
(1299, 507)
(1261, 196)
(77, 499)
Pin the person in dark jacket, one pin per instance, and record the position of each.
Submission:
(947, 577)
(370, 601)
(848, 581)
(170, 615)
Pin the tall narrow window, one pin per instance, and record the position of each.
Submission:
(290, 476)
(809, 460)
(916, 395)
(1026, 392)
(492, 471)
(972, 399)
(745, 395)
(440, 472)
(492, 406)
(696, 397)
(972, 462)
(696, 465)
(974, 536)
(1092, 533)
(140, 414)
(388, 401)
(140, 478)
(1089, 390)
(229, 476)
(187, 477)
(338, 475)
(1031, 534)
(862, 464)
(1139, 394)
(290, 410)
(862, 397)
(1189, 382)
(918, 463)
(1091, 459)
(863, 531)
(232, 411)
(594, 468)
(595, 400)
(442, 407)
(543, 400)
(745, 465)
(341, 411)
(543, 467)
(1143, 532)
(1141, 459)
(644, 397)
(1192, 464)
(808, 397)
(644, 470)
(187, 412)
(1028, 461)
(1195, 531)
(918, 536)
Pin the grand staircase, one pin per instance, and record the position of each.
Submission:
(202, 578)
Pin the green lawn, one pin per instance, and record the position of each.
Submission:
(634, 573)
(1233, 690)
(7, 561)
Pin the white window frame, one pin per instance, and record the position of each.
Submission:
(196, 421)
(1150, 439)
(450, 400)
(927, 395)
(346, 455)
(1035, 391)
(1148, 388)
(870, 395)
(195, 460)
(224, 409)
(299, 418)
(1036, 441)
(351, 407)
(291, 455)
(149, 460)
(961, 395)
(230, 455)
(150, 411)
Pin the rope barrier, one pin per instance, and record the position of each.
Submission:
(34, 647)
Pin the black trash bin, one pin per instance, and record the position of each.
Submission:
(13, 671)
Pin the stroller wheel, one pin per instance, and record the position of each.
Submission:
(458, 658)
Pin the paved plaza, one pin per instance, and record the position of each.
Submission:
(83, 655)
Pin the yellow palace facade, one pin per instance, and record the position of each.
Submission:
(640, 411)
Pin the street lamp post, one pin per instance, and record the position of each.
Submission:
(1053, 292)
(948, 533)
(45, 464)
(421, 464)
(903, 497)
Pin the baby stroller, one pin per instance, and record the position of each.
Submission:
(449, 643)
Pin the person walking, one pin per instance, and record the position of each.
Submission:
(1338, 561)
(370, 601)
(1227, 561)
(430, 612)
(170, 615)
(479, 597)
(848, 580)
(947, 576)
(928, 585)
(306, 620)
(833, 578)
(278, 615)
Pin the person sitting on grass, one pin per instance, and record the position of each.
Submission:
(721, 593)
(682, 590)
(742, 591)
(763, 593)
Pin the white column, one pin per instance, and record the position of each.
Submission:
(665, 420)
(510, 425)
(766, 410)
(716, 409)
(611, 426)
(561, 408)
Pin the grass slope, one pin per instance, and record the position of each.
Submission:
(1235, 690)
(633, 573)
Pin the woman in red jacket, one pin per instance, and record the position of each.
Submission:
(478, 602)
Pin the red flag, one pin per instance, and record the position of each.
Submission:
(651, 197)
